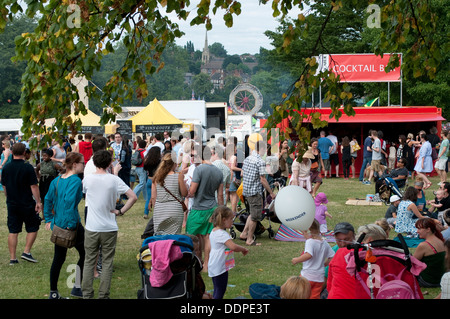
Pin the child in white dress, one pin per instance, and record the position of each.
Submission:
(222, 246)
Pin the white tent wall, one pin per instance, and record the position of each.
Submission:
(10, 125)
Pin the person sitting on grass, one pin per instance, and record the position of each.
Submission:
(296, 287)
(431, 252)
(391, 212)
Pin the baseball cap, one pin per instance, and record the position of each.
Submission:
(344, 228)
(394, 198)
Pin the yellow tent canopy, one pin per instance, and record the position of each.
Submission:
(154, 118)
(90, 119)
(90, 123)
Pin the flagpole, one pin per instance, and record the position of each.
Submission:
(401, 81)
(389, 94)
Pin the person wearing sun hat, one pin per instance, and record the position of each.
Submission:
(301, 169)
(322, 211)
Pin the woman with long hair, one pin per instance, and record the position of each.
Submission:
(236, 174)
(431, 252)
(168, 190)
(424, 163)
(151, 162)
(316, 165)
(346, 156)
(6, 157)
(407, 213)
(61, 209)
(405, 151)
(283, 156)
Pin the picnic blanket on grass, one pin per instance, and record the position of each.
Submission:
(411, 242)
(286, 233)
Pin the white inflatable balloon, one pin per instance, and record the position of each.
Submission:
(295, 207)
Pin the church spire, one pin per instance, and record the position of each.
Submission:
(205, 54)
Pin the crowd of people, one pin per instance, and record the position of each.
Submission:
(188, 184)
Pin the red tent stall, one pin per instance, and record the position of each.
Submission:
(392, 121)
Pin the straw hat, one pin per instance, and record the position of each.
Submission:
(308, 153)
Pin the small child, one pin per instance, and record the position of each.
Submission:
(322, 211)
(391, 212)
(222, 246)
(295, 287)
(315, 258)
(436, 203)
(200, 288)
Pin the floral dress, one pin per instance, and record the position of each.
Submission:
(405, 221)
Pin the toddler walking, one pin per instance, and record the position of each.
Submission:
(322, 211)
(315, 258)
(222, 246)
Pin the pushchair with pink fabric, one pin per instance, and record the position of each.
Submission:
(169, 268)
(384, 269)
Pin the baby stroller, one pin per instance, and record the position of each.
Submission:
(268, 212)
(386, 188)
(241, 218)
(179, 280)
(384, 269)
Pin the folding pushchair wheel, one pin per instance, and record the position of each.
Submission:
(271, 233)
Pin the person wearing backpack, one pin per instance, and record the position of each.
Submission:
(137, 159)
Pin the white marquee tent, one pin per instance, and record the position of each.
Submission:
(10, 125)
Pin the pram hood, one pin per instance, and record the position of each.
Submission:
(185, 242)
(164, 249)
(416, 265)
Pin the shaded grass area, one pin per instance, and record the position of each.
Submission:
(269, 263)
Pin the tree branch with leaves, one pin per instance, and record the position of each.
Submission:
(56, 52)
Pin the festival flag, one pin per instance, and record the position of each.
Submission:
(370, 103)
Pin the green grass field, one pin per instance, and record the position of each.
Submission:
(269, 263)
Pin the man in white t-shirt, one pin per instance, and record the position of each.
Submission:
(157, 143)
(102, 190)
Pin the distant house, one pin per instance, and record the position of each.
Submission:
(213, 66)
(217, 80)
(188, 78)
